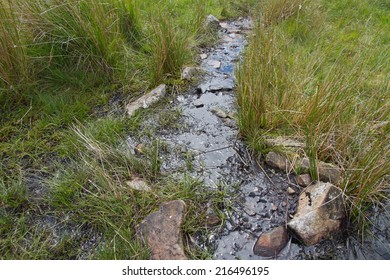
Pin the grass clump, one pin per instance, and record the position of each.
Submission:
(321, 74)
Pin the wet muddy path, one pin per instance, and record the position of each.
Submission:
(261, 201)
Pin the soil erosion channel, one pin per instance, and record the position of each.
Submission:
(261, 200)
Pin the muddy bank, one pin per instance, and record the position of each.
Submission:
(207, 146)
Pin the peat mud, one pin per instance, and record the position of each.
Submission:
(206, 144)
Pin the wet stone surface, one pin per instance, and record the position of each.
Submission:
(261, 199)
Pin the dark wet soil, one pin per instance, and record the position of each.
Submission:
(208, 135)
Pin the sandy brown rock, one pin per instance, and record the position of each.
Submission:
(161, 231)
(146, 100)
(319, 214)
(271, 243)
(303, 180)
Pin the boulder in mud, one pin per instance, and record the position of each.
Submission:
(278, 161)
(320, 213)
(271, 243)
(146, 100)
(161, 231)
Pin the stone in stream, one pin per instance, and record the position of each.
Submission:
(214, 63)
(161, 232)
(198, 103)
(203, 56)
(290, 191)
(146, 100)
(219, 113)
(320, 213)
(271, 243)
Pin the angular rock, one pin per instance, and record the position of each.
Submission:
(320, 213)
(146, 100)
(278, 161)
(219, 113)
(217, 84)
(161, 231)
(139, 185)
(327, 172)
(212, 219)
(271, 243)
(211, 23)
(189, 73)
(203, 56)
(303, 180)
(197, 103)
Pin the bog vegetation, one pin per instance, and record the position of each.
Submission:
(319, 71)
(314, 69)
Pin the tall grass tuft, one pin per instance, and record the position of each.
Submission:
(84, 34)
(169, 49)
(13, 58)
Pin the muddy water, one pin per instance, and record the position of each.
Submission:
(219, 157)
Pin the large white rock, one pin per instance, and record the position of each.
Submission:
(320, 213)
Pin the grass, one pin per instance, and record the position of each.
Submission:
(319, 70)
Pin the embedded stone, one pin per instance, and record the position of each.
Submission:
(147, 100)
(271, 243)
(161, 231)
(303, 180)
(320, 213)
(278, 161)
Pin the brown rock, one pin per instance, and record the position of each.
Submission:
(212, 219)
(278, 161)
(139, 149)
(161, 231)
(290, 190)
(303, 180)
(271, 243)
(327, 172)
(319, 214)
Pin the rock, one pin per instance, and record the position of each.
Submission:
(217, 84)
(146, 100)
(161, 231)
(219, 113)
(303, 180)
(319, 214)
(327, 172)
(271, 243)
(203, 56)
(211, 23)
(224, 25)
(214, 63)
(197, 103)
(189, 73)
(230, 123)
(138, 184)
(212, 219)
(290, 190)
(139, 149)
(278, 161)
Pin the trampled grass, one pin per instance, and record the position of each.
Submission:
(322, 74)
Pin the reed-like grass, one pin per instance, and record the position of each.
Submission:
(294, 82)
(13, 58)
